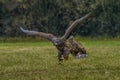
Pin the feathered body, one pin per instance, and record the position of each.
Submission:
(60, 43)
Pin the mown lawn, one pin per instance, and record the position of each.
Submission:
(38, 61)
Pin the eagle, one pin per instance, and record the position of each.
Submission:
(60, 42)
(76, 48)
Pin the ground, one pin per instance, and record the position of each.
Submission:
(38, 61)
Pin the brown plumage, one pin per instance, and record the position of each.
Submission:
(74, 24)
(60, 43)
(76, 48)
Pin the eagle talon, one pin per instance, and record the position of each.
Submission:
(81, 56)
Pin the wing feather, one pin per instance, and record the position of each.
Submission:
(41, 34)
(74, 24)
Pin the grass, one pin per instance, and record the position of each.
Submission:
(38, 61)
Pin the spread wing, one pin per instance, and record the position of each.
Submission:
(74, 24)
(41, 34)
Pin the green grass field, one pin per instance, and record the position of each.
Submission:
(38, 61)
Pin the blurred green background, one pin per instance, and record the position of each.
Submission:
(55, 16)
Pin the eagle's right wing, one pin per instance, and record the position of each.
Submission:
(74, 24)
(41, 34)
